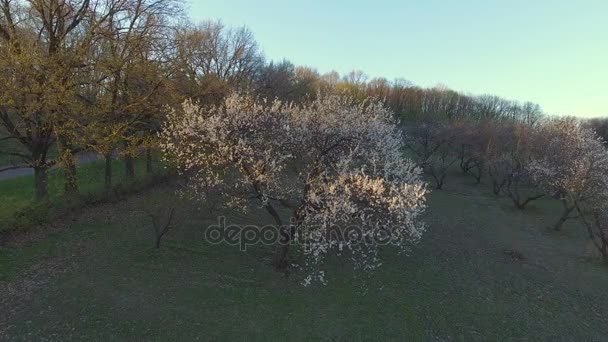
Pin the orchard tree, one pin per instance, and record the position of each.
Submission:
(518, 156)
(470, 143)
(332, 162)
(596, 222)
(570, 164)
(600, 126)
(431, 143)
(496, 158)
(508, 156)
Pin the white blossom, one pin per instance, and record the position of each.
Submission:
(334, 162)
(571, 164)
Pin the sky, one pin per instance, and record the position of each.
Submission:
(552, 52)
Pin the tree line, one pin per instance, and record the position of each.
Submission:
(96, 75)
(100, 75)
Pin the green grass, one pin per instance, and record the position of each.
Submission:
(17, 194)
(95, 276)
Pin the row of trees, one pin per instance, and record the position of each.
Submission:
(82, 75)
(563, 158)
(336, 162)
(96, 75)
(287, 82)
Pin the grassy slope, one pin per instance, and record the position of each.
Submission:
(104, 281)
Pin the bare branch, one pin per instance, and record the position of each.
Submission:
(15, 167)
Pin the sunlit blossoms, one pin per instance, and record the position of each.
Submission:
(335, 163)
(238, 148)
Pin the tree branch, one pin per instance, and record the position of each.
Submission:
(15, 167)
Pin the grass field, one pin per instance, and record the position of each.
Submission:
(17, 194)
(483, 271)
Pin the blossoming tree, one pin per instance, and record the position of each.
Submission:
(333, 162)
(570, 164)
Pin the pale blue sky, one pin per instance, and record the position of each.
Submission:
(553, 52)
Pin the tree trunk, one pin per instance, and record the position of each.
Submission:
(439, 182)
(41, 181)
(463, 166)
(564, 217)
(129, 167)
(522, 205)
(463, 160)
(71, 178)
(69, 173)
(513, 192)
(478, 175)
(108, 171)
(497, 186)
(68, 164)
(279, 260)
(603, 242)
(148, 161)
(129, 163)
(599, 240)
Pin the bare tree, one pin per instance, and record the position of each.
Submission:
(596, 223)
(509, 154)
(161, 228)
(471, 143)
(356, 77)
(213, 51)
(431, 143)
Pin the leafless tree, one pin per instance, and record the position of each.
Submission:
(356, 77)
(508, 156)
(230, 55)
(470, 144)
(431, 144)
(596, 223)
